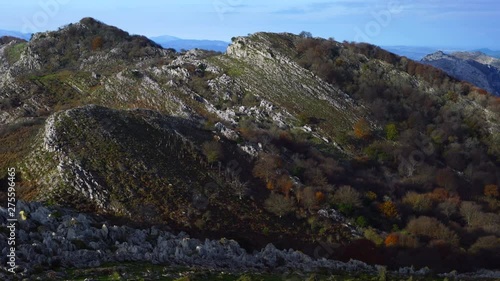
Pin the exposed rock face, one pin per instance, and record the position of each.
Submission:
(55, 237)
(52, 237)
(476, 68)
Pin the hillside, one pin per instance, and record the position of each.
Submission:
(475, 67)
(305, 143)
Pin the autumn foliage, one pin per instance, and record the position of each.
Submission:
(391, 240)
(388, 209)
(491, 190)
(97, 43)
(362, 129)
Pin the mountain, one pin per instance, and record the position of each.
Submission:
(411, 52)
(474, 67)
(15, 34)
(337, 150)
(489, 52)
(188, 44)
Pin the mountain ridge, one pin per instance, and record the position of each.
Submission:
(475, 67)
(290, 140)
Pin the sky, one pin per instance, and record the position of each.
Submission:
(430, 23)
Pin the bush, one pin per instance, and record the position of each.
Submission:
(432, 228)
(361, 221)
(391, 240)
(373, 236)
(486, 243)
(491, 190)
(347, 196)
(279, 205)
(213, 151)
(391, 132)
(418, 202)
(388, 209)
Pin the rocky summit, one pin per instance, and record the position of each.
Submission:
(357, 159)
(474, 67)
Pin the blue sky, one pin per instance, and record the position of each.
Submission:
(434, 23)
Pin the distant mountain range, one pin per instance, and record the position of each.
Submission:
(24, 36)
(165, 41)
(474, 67)
(178, 44)
(418, 53)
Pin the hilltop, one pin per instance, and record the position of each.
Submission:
(474, 67)
(284, 139)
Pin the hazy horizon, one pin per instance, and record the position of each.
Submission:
(449, 24)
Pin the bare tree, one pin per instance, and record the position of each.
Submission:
(266, 166)
(470, 211)
(232, 178)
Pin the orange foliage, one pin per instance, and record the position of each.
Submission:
(362, 129)
(320, 196)
(491, 190)
(97, 43)
(270, 185)
(439, 194)
(285, 185)
(391, 240)
(388, 209)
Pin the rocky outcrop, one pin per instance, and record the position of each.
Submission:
(475, 67)
(53, 237)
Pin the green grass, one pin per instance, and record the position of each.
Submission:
(13, 53)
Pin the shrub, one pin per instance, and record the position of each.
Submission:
(373, 236)
(391, 132)
(213, 151)
(266, 166)
(391, 240)
(491, 190)
(279, 205)
(418, 202)
(97, 43)
(361, 221)
(346, 195)
(388, 209)
(448, 207)
(362, 129)
(432, 228)
(486, 243)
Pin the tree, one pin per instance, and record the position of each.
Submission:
(491, 190)
(486, 243)
(279, 205)
(305, 34)
(388, 209)
(448, 207)
(97, 43)
(391, 132)
(213, 151)
(391, 240)
(285, 184)
(266, 167)
(470, 211)
(362, 129)
(308, 198)
(418, 202)
(347, 195)
(432, 228)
